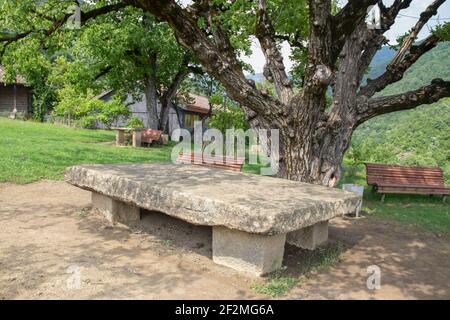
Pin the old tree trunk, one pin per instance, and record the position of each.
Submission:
(151, 94)
(340, 47)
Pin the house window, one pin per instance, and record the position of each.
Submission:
(189, 120)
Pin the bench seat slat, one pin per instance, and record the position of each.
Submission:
(401, 167)
(406, 179)
(414, 190)
(223, 162)
(149, 136)
(406, 182)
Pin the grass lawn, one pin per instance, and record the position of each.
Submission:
(423, 211)
(32, 151)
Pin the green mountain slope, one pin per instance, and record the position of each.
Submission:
(418, 137)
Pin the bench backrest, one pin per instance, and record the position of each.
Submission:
(151, 135)
(381, 174)
(228, 163)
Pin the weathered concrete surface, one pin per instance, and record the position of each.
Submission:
(214, 197)
(115, 211)
(251, 253)
(137, 138)
(120, 137)
(310, 237)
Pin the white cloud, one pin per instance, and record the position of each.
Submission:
(257, 59)
(404, 24)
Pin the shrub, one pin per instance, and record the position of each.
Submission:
(227, 116)
(87, 112)
(135, 123)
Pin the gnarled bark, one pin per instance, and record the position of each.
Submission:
(151, 95)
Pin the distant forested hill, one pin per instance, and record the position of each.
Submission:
(379, 63)
(418, 137)
(257, 77)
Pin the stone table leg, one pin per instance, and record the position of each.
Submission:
(250, 253)
(116, 211)
(310, 237)
(165, 139)
(137, 137)
(120, 137)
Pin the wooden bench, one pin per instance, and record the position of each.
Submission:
(227, 163)
(406, 180)
(150, 136)
(135, 136)
(139, 136)
(120, 135)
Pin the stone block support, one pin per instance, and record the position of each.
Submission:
(165, 139)
(310, 237)
(251, 253)
(120, 137)
(116, 211)
(137, 138)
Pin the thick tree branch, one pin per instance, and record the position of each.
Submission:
(437, 90)
(182, 73)
(15, 36)
(169, 93)
(397, 68)
(395, 73)
(104, 71)
(294, 42)
(347, 20)
(222, 65)
(274, 70)
(375, 39)
(57, 23)
(320, 63)
(356, 56)
(408, 42)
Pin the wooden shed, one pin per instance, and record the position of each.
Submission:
(14, 98)
(190, 108)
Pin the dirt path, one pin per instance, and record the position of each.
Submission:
(47, 237)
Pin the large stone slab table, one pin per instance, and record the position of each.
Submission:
(252, 216)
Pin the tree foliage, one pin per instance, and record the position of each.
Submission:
(112, 52)
(227, 116)
(89, 112)
(332, 46)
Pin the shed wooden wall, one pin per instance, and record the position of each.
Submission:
(7, 99)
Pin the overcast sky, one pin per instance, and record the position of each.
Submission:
(402, 25)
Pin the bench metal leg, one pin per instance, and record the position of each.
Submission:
(116, 211)
(310, 237)
(383, 197)
(246, 252)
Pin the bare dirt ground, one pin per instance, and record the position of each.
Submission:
(48, 235)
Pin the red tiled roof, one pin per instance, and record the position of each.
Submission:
(196, 103)
(101, 95)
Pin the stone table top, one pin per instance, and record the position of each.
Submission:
(127, 129)
(216, 197)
